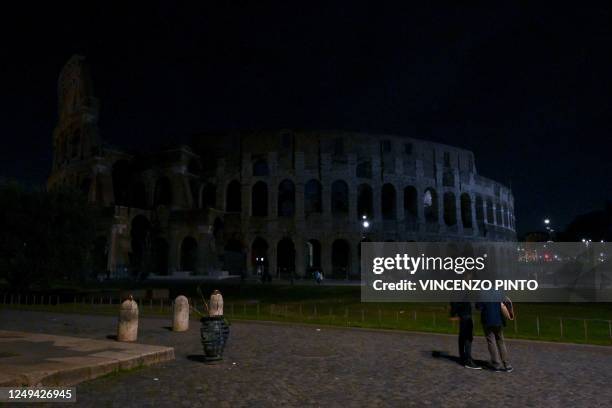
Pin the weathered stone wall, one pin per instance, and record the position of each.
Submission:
(283, 201)
(464, 205)
(395, 162)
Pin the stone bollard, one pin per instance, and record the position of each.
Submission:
(128, 321)
(216, 304)
(181, 314)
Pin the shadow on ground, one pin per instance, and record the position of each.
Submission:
(444, 356)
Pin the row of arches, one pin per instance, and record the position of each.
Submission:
(286, 260)
(151, 253)
(134, 194)
(313, 203)
(313, 199)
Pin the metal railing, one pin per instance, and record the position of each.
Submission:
(533, 326)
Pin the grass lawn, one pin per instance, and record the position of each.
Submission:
(341, 306)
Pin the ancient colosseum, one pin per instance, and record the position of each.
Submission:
(284, 201)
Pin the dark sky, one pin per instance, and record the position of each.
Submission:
(528, 89)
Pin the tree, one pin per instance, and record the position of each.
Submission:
(44, 236)
(595, 225)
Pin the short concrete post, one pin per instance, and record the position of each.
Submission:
(128, 321)
(181, 314)
(216, 304)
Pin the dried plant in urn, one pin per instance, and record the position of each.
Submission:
(214, 332)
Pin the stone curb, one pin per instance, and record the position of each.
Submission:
(130, 355)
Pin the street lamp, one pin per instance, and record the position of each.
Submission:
(365, 224)
(548, 228)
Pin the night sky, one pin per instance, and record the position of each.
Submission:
(527, 89)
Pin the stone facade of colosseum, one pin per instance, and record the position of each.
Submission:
(285, 201)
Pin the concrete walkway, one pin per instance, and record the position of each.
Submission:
(29, 359)
(287, 365)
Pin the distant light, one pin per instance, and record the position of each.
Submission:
(364, 217)
(583, 240)
(546, 221)
(366, 224)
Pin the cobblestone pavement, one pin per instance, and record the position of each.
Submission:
(289, 365)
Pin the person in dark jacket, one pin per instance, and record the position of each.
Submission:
(463, 312)
(493, 324)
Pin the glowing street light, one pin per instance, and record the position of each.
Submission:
(366, 225)
(549, 229)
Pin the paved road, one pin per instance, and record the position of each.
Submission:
(287, 365)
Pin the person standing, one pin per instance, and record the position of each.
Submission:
(493, 324)
(463, 312)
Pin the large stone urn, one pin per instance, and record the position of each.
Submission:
(214, 332)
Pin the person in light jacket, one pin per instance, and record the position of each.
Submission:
(493, 323)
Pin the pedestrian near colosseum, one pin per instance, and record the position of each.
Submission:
(493, 323)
